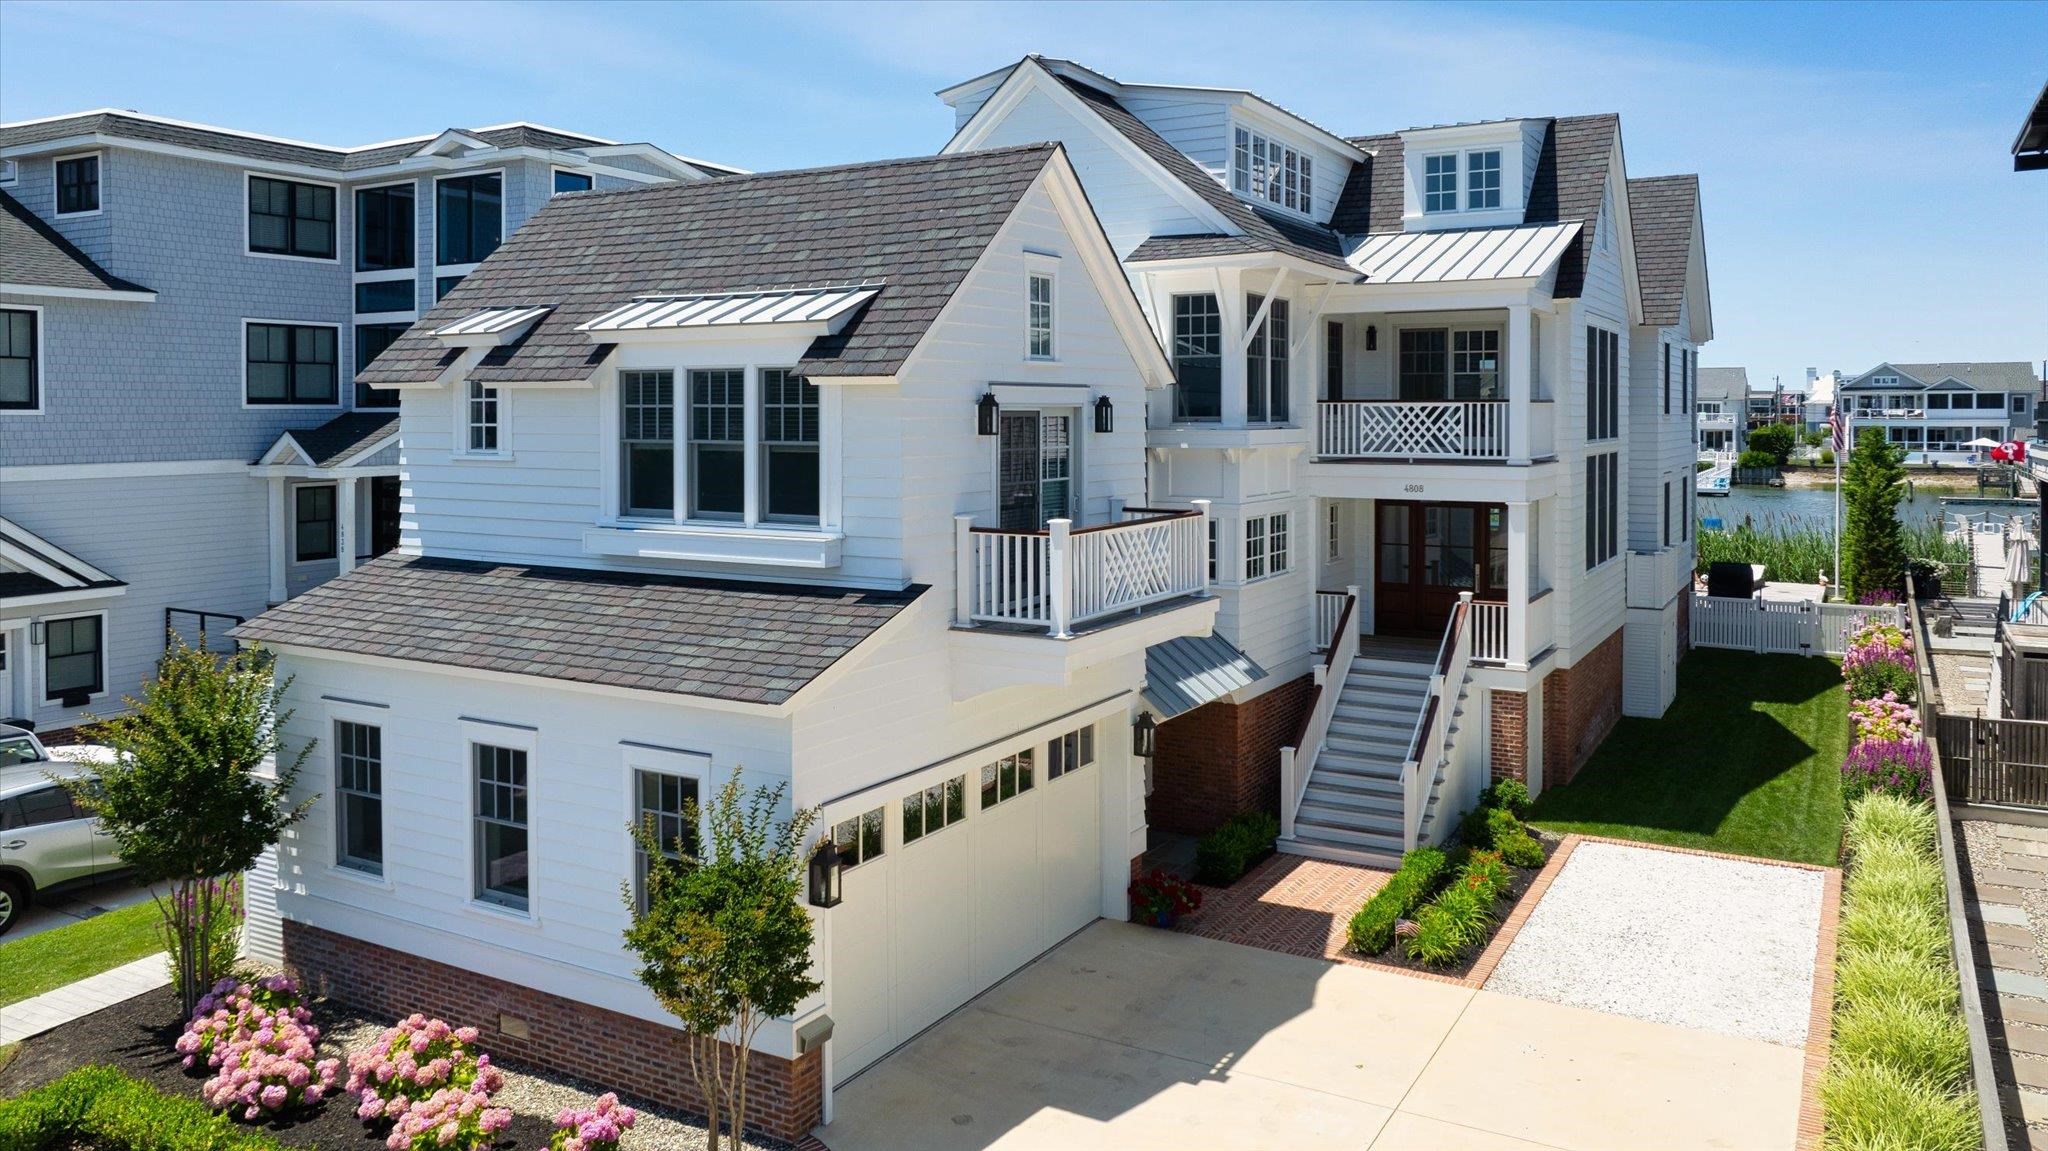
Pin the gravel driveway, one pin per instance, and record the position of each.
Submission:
(1718, 944)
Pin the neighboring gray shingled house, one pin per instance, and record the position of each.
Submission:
(182, 309)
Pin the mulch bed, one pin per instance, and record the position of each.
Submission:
(136, 1037)
(1524, 879)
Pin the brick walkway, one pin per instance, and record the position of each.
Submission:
(2006, 885)
(1290, 904)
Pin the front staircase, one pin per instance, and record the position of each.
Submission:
(1351, 807)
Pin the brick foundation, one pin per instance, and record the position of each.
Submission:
(1508, 741)
(641, 1057)
(1223, 758)
(1581, 704)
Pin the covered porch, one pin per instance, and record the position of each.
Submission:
(333, 499)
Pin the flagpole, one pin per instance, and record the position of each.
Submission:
(1841, 448)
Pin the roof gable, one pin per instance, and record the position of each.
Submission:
(1663, 216)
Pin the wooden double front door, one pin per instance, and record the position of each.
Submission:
(1425, 554)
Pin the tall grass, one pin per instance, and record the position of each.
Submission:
(1798, 552)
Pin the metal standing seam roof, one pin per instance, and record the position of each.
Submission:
(796, 305)
(1457, 255)
(491, 321)
(1185, 673)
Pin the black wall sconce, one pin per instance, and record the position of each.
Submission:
(986, 411)
(1105, 415)
(825, 872)
(1372, 338)
(1142, 735)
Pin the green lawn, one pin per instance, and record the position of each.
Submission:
(36, 963)
(1747, 761)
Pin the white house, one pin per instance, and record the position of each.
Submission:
(1723, 413)
(1934, 412)
(835, 477)
(1410, 367)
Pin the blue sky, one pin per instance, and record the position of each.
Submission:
(1861, 204)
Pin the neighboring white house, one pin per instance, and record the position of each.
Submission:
(1419, 364)
(1934, 411)
(1723, 412)
(836, 477)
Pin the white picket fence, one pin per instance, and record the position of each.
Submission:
(1795, 627)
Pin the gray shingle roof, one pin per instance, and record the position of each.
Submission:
(729, 640)
(32, 252)
(344, 435)
(1661, 211)
(914, 226)
(280, 151)
(1569, 183)
(1997, 376)
(1729, 384)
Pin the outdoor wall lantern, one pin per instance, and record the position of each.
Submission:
(1142, 730)
(986, 409)
(825, 874)
(1105, 415)
(1372, 338)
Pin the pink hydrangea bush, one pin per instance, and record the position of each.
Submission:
(1885, 718)
(595, 1128)
(235, 1006)
(414, 1063)
(453, 1118)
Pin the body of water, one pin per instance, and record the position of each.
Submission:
(1815, 507)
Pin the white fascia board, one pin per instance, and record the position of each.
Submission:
(1624, 225)
(351, 461)
(67, 596)
(47, 292)
(850, 381)
(285, 451)
(717, 333)
(1698, 289)
(1252, 261)
(1063, 187)
(677, 165)
(33, 553)
(454, 137)
(947, 93)
(1263, 112)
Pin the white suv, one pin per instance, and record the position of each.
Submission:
(46, 840)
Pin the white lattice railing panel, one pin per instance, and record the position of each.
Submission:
(1061, 577)
(1452, 430)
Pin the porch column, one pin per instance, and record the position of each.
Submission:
(1230, 302)
(280, 533)
(1518, 583)
(1521, 384)
(345, 523)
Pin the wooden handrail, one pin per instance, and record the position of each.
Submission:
(1308, 715)
(1343, 621)
(1422, 730)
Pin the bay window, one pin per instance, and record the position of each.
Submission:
(384, 219)
(1265, 365)
(1197, 358)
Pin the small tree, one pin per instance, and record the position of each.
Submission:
(183, 798)
(1776, 439)
(1874, 550)
(723, 940)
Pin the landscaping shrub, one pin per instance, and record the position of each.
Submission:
(1869, 977)
(1511, 795)
(1879, 660)
(594, 1128)
(1448, 928)
(1436, 941)
(1878, 818)
(232, 1006)
(1773, 440)
(412, 1063)
(100, 1107)
(1372, 926)
(259, 1039)
(1751, 458)
(1160, 897)
(1924, 1040)
(1487, 872)
(1883, 717)
(1483, 827)
(1897, 767)
(1521, 850)
(1228, 852)
(453, 1118)
(1872, 1107)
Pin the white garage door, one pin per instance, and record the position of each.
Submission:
(978, 875)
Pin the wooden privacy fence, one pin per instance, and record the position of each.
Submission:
(1997, 761)
(1792, 627)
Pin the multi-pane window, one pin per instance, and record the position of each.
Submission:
(384, 224)
(1482, 180)
(859, 839)
(572, 182)
(1270, 170)
(1070, 752)
(371, 340)
(1255, 547)
(1670, 520)
(664, 801)
(1333, 360)
(291, 364)
(500, 817)
(1007, 778)
(647, 443)
(718, 428)
(1038, 317)
(359, 796)
(1603, 384)
(1265, 365)
(482, 420)
(1333, 538)
(1603, 478)
(1276, 543)
(287, 218)
(1212, 548)
(789, 445)
(78, 185)
(1424, 363)
(1667, 378)
(468, 218)
(72, 663)
(1197, 358)
(936, 807)
(1475, 364)
(313, 522)
(1440, 183)
(20, 382)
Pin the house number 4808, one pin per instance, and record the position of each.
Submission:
(1415, 488)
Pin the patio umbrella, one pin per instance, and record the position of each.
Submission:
(1982, 442)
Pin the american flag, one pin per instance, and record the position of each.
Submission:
(1837, 427)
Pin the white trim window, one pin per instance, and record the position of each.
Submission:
(647, 443)
(75, 657)
(1276, 543)
(935, 808)
(359, 796)
(1038, 322)
(502, 847)
(1482, 180)
(1603, 490)
(1069, 753)
(21, 357)
(1255, 547)
(1266, 371)
(718, 443)
(469, 219)
(1333, 535)
(77, 184)
(859, 839)
(663, 802)
(10, 173)
(1008, 777)
(291, 218)
(566, 181)
(1440, 183)
(483, 420)
(313, 522)
(789, 446)
(291, 364)
(1272, 171)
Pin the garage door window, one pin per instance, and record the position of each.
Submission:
(1070, 752)
(1007, 778)
(860, 839)
(935, 808)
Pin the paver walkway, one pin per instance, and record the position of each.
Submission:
(2006, 886)
(39, 1013)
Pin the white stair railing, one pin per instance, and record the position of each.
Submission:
(1490, 631)
(1298, 760)
(1433, 729)
(1430, 430)
(1329, 605)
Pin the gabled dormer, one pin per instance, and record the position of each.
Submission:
(1469, 175)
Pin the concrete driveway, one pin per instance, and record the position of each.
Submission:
(1127, 1038)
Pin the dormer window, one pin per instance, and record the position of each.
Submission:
(1440, 183)
(1269, 170)
(1482, 180)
